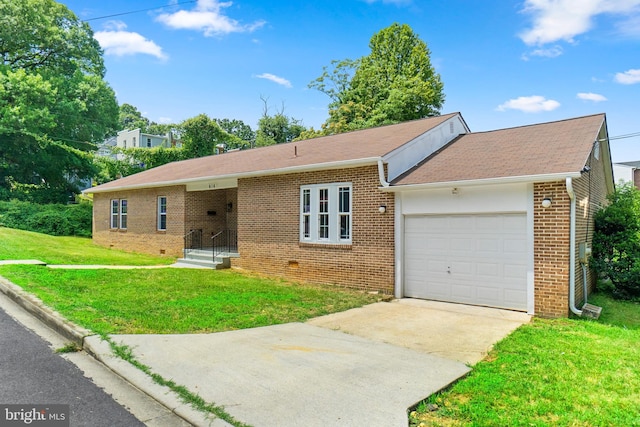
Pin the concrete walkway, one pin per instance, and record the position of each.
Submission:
(365, 366)
(297, 374)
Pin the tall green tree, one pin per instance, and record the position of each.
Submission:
(246, 136)
(130, 118)
(395, 82)
(201, 135)
(278, 128)
(54, 102)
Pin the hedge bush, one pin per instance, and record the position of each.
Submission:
(616, 243)
(53, 219)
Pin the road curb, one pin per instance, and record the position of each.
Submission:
(101, 351)
(49, 317)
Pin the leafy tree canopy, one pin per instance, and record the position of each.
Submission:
(278, 128)
(201, 136)
(247, 137)
(54, 102)
(395, 82)
(130, 118)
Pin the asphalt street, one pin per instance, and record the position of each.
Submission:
(32, 373)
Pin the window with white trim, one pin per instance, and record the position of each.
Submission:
(325, 213)
(123, 214)
(118, 214)
(115, 210)
(162, 213)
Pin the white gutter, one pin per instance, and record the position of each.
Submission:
(381, 176)
(292, 169)
(572, 249)
(485, 181)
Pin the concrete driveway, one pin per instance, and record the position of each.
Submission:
(366, 366)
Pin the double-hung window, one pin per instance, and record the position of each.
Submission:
(162, 213)
(118, 215)
(115, 210)
(325, 213)
(123, 214)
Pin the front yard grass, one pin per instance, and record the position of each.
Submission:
(562, 372)
(177, 301)
(20, 244)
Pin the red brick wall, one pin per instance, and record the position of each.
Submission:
(268, 235)
(142, 234)
(200, 203)
(551, 249)
(551, 239)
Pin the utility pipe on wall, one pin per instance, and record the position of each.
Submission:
(572, 249)
(383, 181)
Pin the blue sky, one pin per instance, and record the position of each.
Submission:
(503, 63)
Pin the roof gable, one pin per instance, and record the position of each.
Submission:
(560, 147)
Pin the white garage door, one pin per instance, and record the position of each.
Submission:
(471, 259)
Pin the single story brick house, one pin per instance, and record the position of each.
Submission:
(422, 209)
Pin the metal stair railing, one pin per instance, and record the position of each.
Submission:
(224, 241)
(192, 241)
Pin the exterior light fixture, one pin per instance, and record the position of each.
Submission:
(546, 202)
(382, 209)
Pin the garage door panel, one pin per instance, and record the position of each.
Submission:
(515, 246)
(489, 270)
(513, 271)
(486, 295)
(462, 292)
(514, 222)
(473, 259)
(513, 297)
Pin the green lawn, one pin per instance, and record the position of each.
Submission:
(19, 244)
(562, 372)
(178, 301)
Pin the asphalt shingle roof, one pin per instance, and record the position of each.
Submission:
(540, 149)
(351, 146)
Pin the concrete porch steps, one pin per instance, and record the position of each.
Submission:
(202, 258)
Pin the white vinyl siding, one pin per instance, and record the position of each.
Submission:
(325, 213)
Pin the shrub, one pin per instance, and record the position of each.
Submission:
(616, 242)
(53, 219)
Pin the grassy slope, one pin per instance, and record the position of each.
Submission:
(19, 244)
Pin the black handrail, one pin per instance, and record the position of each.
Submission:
(192, 240)
(224, 241)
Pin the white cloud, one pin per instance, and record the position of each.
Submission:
(115, 41)
(530, 104)
(555, 20)
(551, 52)
(629, 77)
(280, 80)
(165, 120)
(207, 17)
(588, 96)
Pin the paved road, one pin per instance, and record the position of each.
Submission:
(31, 373)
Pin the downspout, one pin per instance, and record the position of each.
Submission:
(383, 180)
(572, 250)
